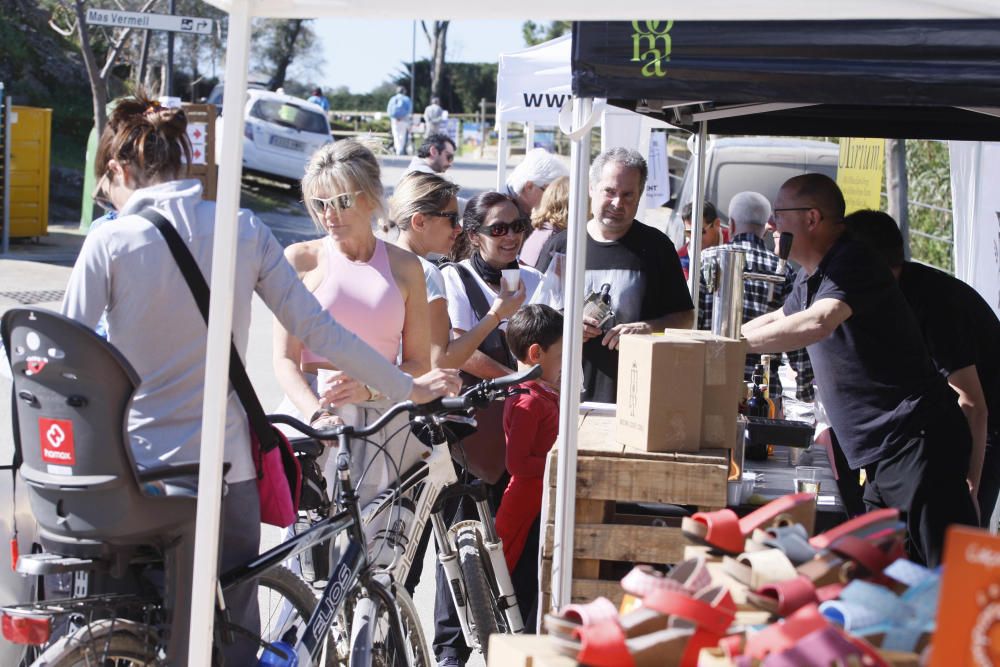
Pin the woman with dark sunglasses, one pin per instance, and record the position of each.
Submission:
(424, 208)
(493, 232)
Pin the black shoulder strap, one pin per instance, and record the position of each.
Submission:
(199, 290)
(495, 344)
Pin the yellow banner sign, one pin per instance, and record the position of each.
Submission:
(859, 172)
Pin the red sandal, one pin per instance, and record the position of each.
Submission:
(723, 531)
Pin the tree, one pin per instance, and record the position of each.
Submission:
(437, 39)
(535, 33)
(279, 43)
(69, 19)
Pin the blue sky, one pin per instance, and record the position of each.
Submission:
(361, 54)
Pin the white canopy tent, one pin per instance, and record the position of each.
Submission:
(533, 84)
(224, 252)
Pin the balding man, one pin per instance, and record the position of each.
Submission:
(894, 414)
(748, 216)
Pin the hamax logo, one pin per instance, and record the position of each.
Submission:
(56, 436)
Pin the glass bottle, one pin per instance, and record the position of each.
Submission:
(597, 306)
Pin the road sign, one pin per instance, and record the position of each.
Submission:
(143, 21)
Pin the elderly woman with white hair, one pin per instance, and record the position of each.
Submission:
(749, 213)
(527, 183)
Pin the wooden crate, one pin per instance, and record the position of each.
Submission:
(608, 541)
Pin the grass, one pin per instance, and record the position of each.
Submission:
(261, 195)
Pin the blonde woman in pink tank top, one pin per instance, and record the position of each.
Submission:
(375, 290)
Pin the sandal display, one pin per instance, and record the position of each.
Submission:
(725, 532)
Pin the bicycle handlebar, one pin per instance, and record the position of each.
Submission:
(476, 396)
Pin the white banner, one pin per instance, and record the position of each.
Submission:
(533, 84)
(975, 171)
(658, 181)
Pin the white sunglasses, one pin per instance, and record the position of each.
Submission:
(342, 202)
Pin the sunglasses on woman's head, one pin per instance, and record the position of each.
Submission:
(341, 202)
(498, 229)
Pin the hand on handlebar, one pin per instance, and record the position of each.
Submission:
(327, 421)
(439, 382)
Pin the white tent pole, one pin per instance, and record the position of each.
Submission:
(576, 262)
(529, 136)
(694, 250)
(220, 316)
(502, 142)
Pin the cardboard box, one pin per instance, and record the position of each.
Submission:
(725, 359)
(660, 383)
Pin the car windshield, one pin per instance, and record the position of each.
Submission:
(289, 115)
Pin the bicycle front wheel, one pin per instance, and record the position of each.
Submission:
(112, 641)
(480, 602)
(373, 644)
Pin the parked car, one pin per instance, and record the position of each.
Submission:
(280, 135)
(760, 164)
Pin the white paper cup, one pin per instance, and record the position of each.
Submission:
(510, 279)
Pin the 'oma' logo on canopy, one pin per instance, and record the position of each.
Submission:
(654, 37)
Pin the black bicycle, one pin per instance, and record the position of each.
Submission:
(357, 619)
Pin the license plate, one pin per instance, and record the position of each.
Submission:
(290, 144)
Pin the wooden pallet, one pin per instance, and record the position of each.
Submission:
(608, 541)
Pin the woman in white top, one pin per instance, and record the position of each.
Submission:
(495, 231)
(424, 208)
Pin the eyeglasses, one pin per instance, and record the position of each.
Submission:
(794, 208)
(342, 201)
(498, 229)
(452, 216)
(100, 195)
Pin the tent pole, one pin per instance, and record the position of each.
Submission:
(529, 136)
(897, 183)
(502, 141)
(220, 315)
(694, 249)
(576, 259)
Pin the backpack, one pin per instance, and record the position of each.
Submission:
(397, 107)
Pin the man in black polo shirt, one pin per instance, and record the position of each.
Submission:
(639, 263)
(894, 415)
(962, 334)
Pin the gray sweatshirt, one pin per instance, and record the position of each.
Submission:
(126, 268)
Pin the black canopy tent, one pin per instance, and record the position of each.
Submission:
(888, 79)
(909, 79)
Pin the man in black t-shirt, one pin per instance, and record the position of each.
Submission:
(639, 263)
(962, 333)
(893, 414)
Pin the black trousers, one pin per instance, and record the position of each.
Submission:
(525, 578)
(851, 492)
(448, 639)
(925, 480)
(989, 483)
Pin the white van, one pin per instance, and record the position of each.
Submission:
(760, 164)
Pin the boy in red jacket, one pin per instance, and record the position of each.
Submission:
(530, 423)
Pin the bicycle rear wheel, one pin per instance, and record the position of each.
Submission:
(112, 641)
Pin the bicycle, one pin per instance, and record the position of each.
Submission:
(470, 552)
(128, 628)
